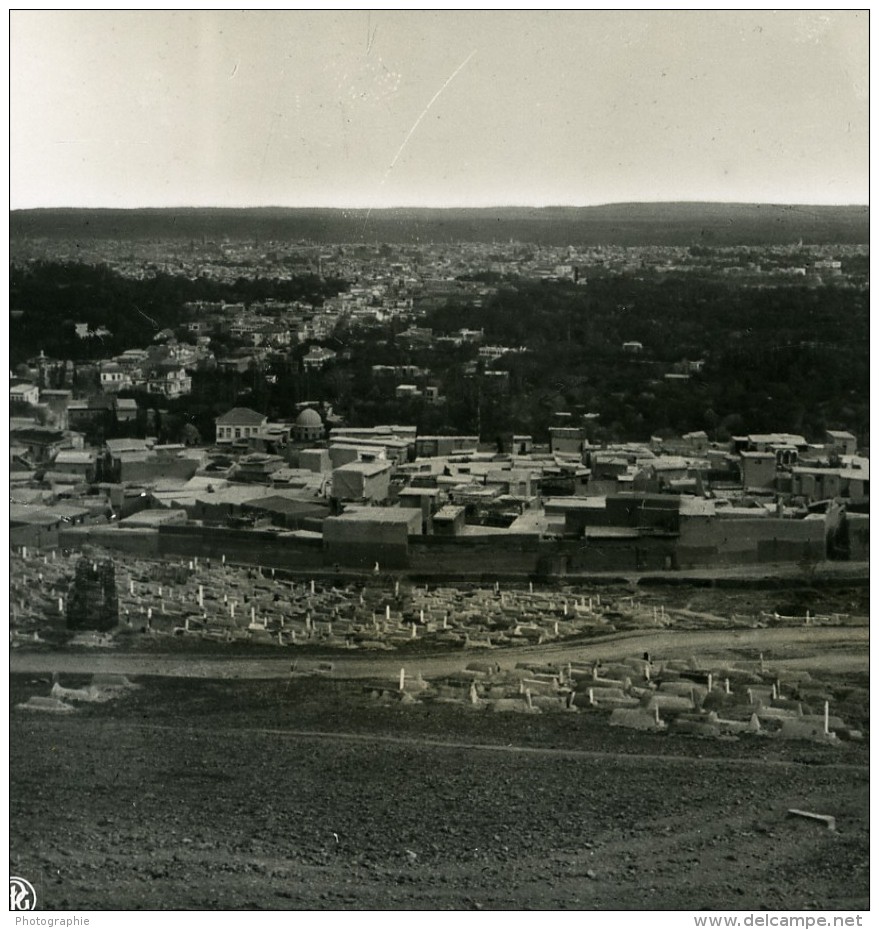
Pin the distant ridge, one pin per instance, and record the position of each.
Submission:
(626, 224)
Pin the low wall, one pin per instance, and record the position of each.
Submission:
(34, 536)
(363, 556)
(704, 543)
(468, 555)
(254, 547)
(141, 541)
(645, 553)
(707, 541)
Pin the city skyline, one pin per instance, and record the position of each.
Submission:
(388, 109)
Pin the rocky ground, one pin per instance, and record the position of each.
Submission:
(306, 794)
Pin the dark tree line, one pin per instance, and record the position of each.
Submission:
(789, 358)
(54, 297)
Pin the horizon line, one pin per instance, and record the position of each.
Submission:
(403, 206)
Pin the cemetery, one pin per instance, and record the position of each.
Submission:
(54, 594)
(555, 745)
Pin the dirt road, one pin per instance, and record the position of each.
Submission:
(832, 649)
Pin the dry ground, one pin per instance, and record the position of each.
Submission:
(306, 794)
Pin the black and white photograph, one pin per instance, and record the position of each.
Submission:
(439, 465)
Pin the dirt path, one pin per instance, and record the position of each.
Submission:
(833, 649)
(412, 742)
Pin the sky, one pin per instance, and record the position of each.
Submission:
(436, 108)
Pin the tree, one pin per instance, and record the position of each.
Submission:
(189, 435)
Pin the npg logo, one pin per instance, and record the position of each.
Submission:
(22, 896)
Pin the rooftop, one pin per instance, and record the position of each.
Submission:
(364, 468)
(241, 416)
(375, 515)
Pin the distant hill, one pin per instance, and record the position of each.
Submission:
(627, 224)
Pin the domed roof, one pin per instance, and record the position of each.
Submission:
(309, 417)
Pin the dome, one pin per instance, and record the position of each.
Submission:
(309, 417)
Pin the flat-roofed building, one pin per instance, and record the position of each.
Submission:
(370, 537)
(842, 441)
(449, 520)
(362, 481)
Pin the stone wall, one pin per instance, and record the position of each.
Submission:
(140, 541)
(708, 541)
(253, 547)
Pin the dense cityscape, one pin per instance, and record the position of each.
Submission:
(362, 403)
(453, 499)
